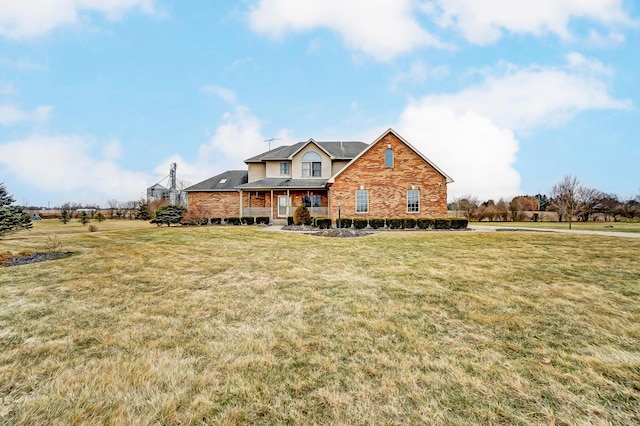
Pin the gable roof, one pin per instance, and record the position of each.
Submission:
(394, 133)
(226, 181)
(335, 150)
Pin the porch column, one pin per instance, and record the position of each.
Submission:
(271, 208)
(288, 203)
(241, 203)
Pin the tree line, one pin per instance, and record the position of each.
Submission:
(568, 201)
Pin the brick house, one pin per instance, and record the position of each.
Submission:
(387, 179)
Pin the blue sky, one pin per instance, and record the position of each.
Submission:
(98, 97)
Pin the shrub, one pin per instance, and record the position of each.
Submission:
(409, 223)
(216, 220)
(247, 220)
(424, 223)
(394, 223)
(53, 243)
(360, 223)
(322, 222)
(262, 220)
(344, 223)
(290, 220)
(25, 252)
(100, 217)
(93, 228)
(302, 216)
(232, 220)
(459, 223)
(442, 223)
(376, 223)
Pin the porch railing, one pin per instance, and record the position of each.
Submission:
(266, 211)
(256, 211)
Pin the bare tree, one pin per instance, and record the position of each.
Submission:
(588, 200)
(467, 204)
(565, 195)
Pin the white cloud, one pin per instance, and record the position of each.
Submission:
(483, 23)
(26, 19)
(469, 147)
(112, 150)
(471, 133)
(223, 93)
(11, 115)
(524, 98)
(64, 166)
(418, 74)
(238, 137)
(383, 29)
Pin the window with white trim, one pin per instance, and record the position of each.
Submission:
(284, 168)
(311, 165)
(413, 201)
(362, 201)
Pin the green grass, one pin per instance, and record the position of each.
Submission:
(237, 325)
(629, 226)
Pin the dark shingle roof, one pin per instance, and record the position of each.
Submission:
(273, 183)
(338, 150)
(218, 183)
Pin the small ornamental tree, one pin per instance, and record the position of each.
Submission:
(143, 212)
(100, 217)
(65, 216)
(84, 218)
(12, 218)
(169, 215)
(302, 216)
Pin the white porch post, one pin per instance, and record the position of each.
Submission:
(271, 209)
(288, 203)
(241, 203)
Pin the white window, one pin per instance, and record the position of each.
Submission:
(413, 201)
(284, 168)
(311, 165)
(362, 201)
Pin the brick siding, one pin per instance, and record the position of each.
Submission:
(388, 186)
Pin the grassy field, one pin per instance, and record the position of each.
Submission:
(238, 325)
(578, 226)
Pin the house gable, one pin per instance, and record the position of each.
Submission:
(387, 185)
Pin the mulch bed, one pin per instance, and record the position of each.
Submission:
(340, 232)
(34, 258)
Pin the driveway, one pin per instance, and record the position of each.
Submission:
(483, 228)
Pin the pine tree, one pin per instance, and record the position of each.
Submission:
(12, 218)
(84, 218)
(143, 212)
(169, 215)
(65, 217)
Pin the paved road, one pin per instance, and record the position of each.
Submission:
(483, 228)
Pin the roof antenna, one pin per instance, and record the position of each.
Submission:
(271, 140)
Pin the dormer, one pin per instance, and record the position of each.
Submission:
(311, 161)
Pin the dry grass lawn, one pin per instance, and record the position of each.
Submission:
(238, 325)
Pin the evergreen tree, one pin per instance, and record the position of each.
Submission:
(65, 216)
(84, 218)
(12, 218)
(143, 212)
(169, 215)
(302, 216)
(100, 217)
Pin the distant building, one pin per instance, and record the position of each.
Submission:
(172, 194)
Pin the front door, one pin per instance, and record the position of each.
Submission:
(283, 206)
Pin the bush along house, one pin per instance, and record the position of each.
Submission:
(387, 179)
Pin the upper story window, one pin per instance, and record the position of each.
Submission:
(388, 157)
(284, 168)
(311, 165)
